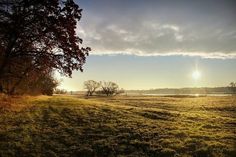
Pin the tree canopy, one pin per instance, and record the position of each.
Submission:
(109, 88)
(91, 86)
(39, 37)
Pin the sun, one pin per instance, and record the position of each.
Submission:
(196, 75)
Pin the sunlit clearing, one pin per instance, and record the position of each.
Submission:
(196, 75)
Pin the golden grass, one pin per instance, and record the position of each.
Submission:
(119, 126)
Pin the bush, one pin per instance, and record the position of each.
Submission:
(60, 91)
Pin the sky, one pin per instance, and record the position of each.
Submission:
(146, 44)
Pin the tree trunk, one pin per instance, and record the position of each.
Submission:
(6, 58)
(1, 88)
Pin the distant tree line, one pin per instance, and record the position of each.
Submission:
(60, 91)
(102, 88)
(232, 87)
(37, 38)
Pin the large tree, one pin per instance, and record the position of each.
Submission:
(39, 35)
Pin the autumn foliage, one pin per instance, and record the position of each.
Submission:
(36, 38)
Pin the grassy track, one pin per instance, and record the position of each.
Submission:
(118, 126)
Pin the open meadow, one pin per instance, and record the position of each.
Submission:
(118, 126)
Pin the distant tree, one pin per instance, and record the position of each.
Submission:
(232, 87)
(91, 86)
(36, 35)
(60, 91)
(109, 88)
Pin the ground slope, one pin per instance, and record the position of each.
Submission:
(118, 126)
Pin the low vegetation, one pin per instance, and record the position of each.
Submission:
(118, 126)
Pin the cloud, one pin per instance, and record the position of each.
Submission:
(209, 33)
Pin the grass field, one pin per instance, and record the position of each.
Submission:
(118, 126)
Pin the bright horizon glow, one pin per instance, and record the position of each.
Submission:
(196, 75)
(136, 72)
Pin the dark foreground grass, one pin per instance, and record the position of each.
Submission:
(118, 126)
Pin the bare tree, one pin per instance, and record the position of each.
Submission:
(91, 86)
(109, 88)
